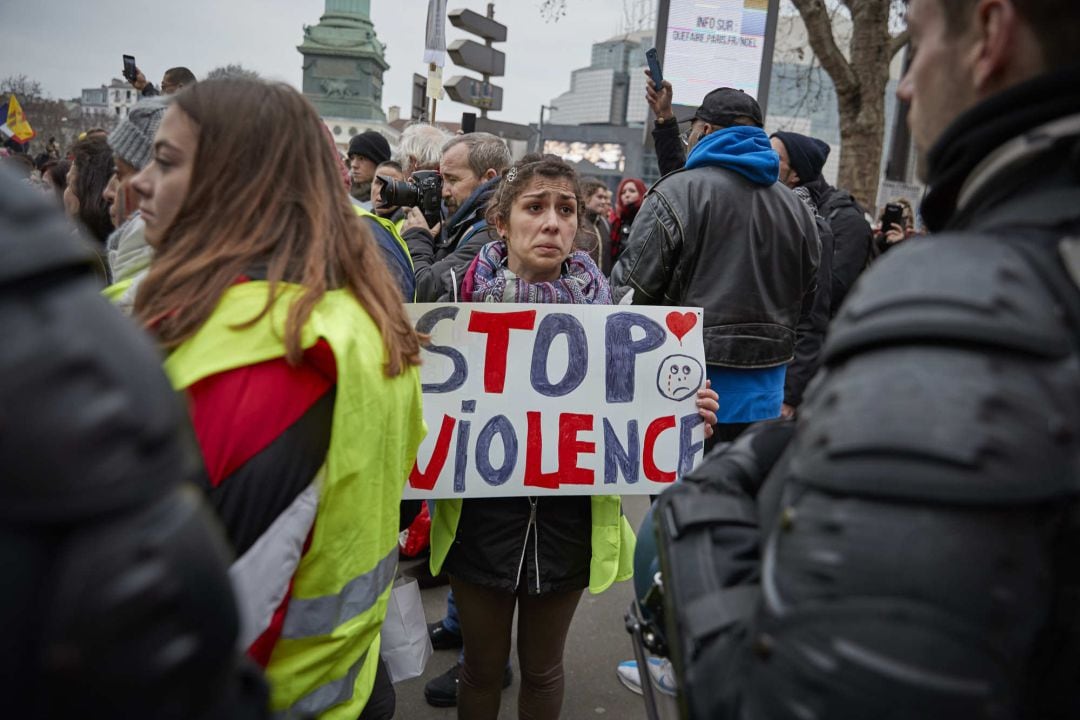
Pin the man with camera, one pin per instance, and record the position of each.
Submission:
(907, 549)
(470, 168)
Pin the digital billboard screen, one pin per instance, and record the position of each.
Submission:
(605, 156)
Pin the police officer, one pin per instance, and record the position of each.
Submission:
(116, 601)
(912, 553)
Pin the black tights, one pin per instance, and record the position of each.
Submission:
(487, 617)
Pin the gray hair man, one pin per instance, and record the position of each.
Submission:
(470, 166)
(420, 148)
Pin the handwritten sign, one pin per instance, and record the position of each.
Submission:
(557, 399)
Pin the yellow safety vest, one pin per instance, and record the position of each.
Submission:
(612, 540)
(392, 228)
(113, 292)
(324, 663)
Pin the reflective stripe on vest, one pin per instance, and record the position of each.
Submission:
(310, 617)
(261, 575)
(324, 696)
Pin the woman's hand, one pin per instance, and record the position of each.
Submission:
(895, 234)
(708, 402)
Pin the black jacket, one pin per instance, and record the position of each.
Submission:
(535, 545)
(594, 237)
(670, 151)
(810, 333)
(437, 261)
(745, 253)
(852, 236)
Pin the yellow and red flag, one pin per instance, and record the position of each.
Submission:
(17, 126)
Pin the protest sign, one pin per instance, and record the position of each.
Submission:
(557, 399)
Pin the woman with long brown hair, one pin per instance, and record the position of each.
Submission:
(532, 556)
(286, 331)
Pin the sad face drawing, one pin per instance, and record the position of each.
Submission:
(679, 377)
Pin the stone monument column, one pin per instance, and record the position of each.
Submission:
(344, 63)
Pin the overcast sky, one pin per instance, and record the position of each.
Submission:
(68, 45)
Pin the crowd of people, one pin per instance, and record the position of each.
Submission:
(881, 541)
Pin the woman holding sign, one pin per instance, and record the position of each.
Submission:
(288, 337)
(529, 554)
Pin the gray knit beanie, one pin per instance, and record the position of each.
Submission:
(133, 139)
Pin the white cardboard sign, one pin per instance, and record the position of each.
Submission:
(557, 399)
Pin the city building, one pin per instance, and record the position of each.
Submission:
(602, 93)
(599, 124)
(113, 100)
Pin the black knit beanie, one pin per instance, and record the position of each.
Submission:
(806, 155)
(370, 144)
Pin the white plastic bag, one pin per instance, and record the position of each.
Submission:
(405, 646)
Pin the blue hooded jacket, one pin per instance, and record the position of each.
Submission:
(741, 148)
(745, 395)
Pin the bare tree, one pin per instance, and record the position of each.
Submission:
(859, 70)
(232, 70)
(48, 117)
(860, 77)
(552, 10)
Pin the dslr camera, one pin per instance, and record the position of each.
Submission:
(423, 190)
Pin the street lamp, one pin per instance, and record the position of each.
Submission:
(540, 133)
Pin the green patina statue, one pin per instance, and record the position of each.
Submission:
(344, 62)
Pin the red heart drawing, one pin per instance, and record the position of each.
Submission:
(680, 323)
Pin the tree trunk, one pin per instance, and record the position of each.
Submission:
(860, 80)
(862, 125)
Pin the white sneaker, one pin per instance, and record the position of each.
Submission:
(663, 675)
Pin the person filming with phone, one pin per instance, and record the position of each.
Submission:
(174, 79)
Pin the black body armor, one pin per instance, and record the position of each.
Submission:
(117, 602)
(912, 551)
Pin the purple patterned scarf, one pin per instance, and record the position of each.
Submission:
(581, 282)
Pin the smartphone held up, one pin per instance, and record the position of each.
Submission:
(654, 68)
(130, 71)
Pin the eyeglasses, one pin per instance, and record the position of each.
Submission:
(685, 136)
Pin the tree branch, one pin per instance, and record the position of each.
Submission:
(899, 42)
(815, 17)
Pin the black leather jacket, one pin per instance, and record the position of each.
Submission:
(745, 253)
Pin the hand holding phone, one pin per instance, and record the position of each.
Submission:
(130, 70)
(654, 68)
(893, 215)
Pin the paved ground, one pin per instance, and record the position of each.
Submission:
(597, 643)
